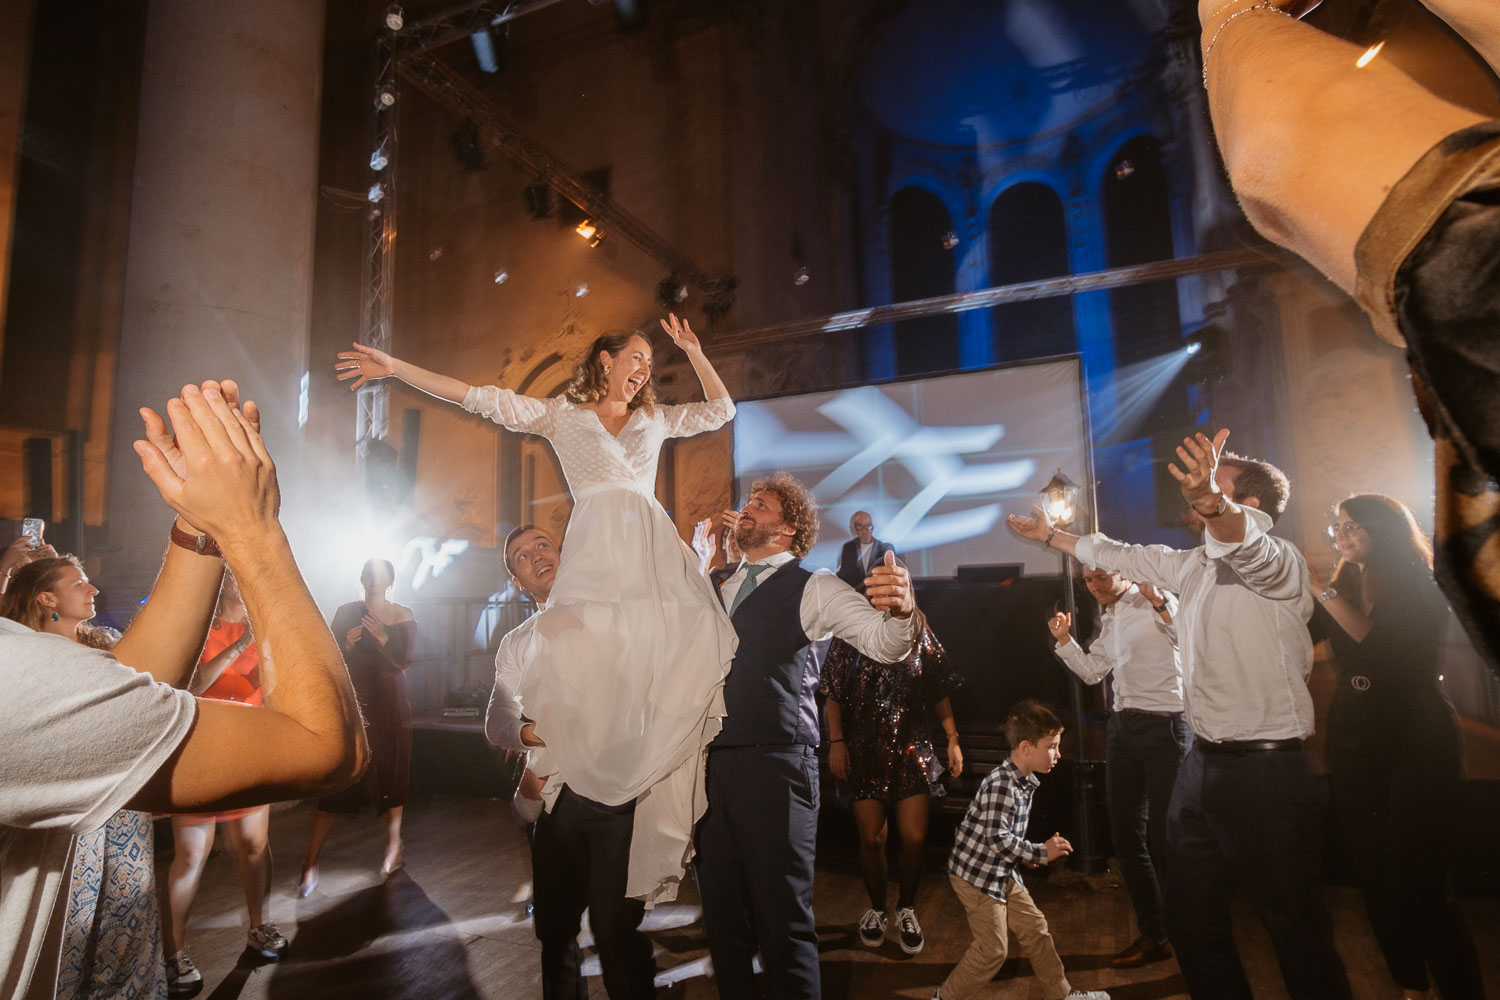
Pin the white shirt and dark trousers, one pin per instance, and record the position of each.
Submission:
(1147, 738)
(756, 842)
(580, 859)
(1245, 812)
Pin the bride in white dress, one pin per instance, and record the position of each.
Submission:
(626, 662)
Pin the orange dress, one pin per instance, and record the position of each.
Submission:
(240, 681)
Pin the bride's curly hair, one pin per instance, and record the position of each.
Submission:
(589, 384)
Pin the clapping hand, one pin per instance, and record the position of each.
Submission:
(705, 542)
(1200, 459)
(374, 628)
(213, 468)
(364, 364)
(1061, 626)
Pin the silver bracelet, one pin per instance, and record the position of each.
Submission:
(1220, 30)
(1327, 595)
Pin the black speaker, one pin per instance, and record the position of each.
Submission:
(38, 459)
(411, 435)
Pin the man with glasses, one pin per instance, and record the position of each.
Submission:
(861, 553)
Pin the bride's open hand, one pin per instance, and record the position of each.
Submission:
(363, 364)
(681, 333)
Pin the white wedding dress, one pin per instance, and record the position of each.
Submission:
(625, 664)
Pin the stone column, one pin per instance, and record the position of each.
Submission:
(219, 264)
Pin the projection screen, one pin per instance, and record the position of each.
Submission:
(938, 461)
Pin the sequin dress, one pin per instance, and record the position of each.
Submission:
(885, 711)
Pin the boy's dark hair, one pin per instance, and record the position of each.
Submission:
(1262, 480)
(1030, 721)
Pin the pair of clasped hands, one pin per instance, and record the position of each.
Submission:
(211, 465)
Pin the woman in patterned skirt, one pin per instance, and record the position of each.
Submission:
(111, 947)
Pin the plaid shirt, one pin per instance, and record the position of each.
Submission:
(991, 841)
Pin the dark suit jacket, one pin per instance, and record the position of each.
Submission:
(849, 570)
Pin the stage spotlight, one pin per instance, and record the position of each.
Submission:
(801, 276)
(1193, 347)
(395, 17)
(591, 233)
(379, 160)
(376, 194)
(385, 97)
(950, 240)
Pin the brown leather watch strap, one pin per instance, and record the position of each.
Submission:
(203, 545)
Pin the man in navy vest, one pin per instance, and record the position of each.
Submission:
(755, 844)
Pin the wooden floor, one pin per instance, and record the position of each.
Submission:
(452, 925)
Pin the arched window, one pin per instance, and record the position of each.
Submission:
(1028, 241)
(1138, 230)
(922, 267)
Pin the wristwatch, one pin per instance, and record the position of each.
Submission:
(1160, 609)
(1223, 506)
(204, 544)
(1327, 595)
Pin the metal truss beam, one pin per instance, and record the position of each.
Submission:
(1025, 291)
(449, 89)
(461, 22)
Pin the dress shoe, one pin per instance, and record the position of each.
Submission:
(1142, 951)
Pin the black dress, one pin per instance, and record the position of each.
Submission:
(1395, 769)
(380, 685)
(885, 708)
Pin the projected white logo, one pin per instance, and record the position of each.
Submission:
(877, 430)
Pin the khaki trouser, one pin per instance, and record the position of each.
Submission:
(988, 920)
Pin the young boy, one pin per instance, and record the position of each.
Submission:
(988, 850)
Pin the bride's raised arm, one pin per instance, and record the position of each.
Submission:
(365, 364)
(683, 336)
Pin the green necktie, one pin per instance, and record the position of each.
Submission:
(752, 571)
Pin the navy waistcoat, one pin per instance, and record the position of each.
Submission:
(768, 696)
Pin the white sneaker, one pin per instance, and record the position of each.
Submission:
(1087, 995)
(182, 975)
(911, 931)
(872, 928)
(267, 941)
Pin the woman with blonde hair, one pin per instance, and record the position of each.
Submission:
(111, 945)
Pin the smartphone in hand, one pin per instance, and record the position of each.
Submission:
(32, 528)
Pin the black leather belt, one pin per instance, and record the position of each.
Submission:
(1239, 748)
(1152, 712)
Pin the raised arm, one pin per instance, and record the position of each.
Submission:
(365, 364)
(1155, 564)
(309, 738)
(683, 336)
(1091, 667)
(166, 638)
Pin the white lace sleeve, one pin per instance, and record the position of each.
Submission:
(688, 419)
(510, 409)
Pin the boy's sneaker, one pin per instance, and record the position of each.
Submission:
(911, 931)
(183, 976)
(1087, 995)
(267, 941)
(872, 928)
